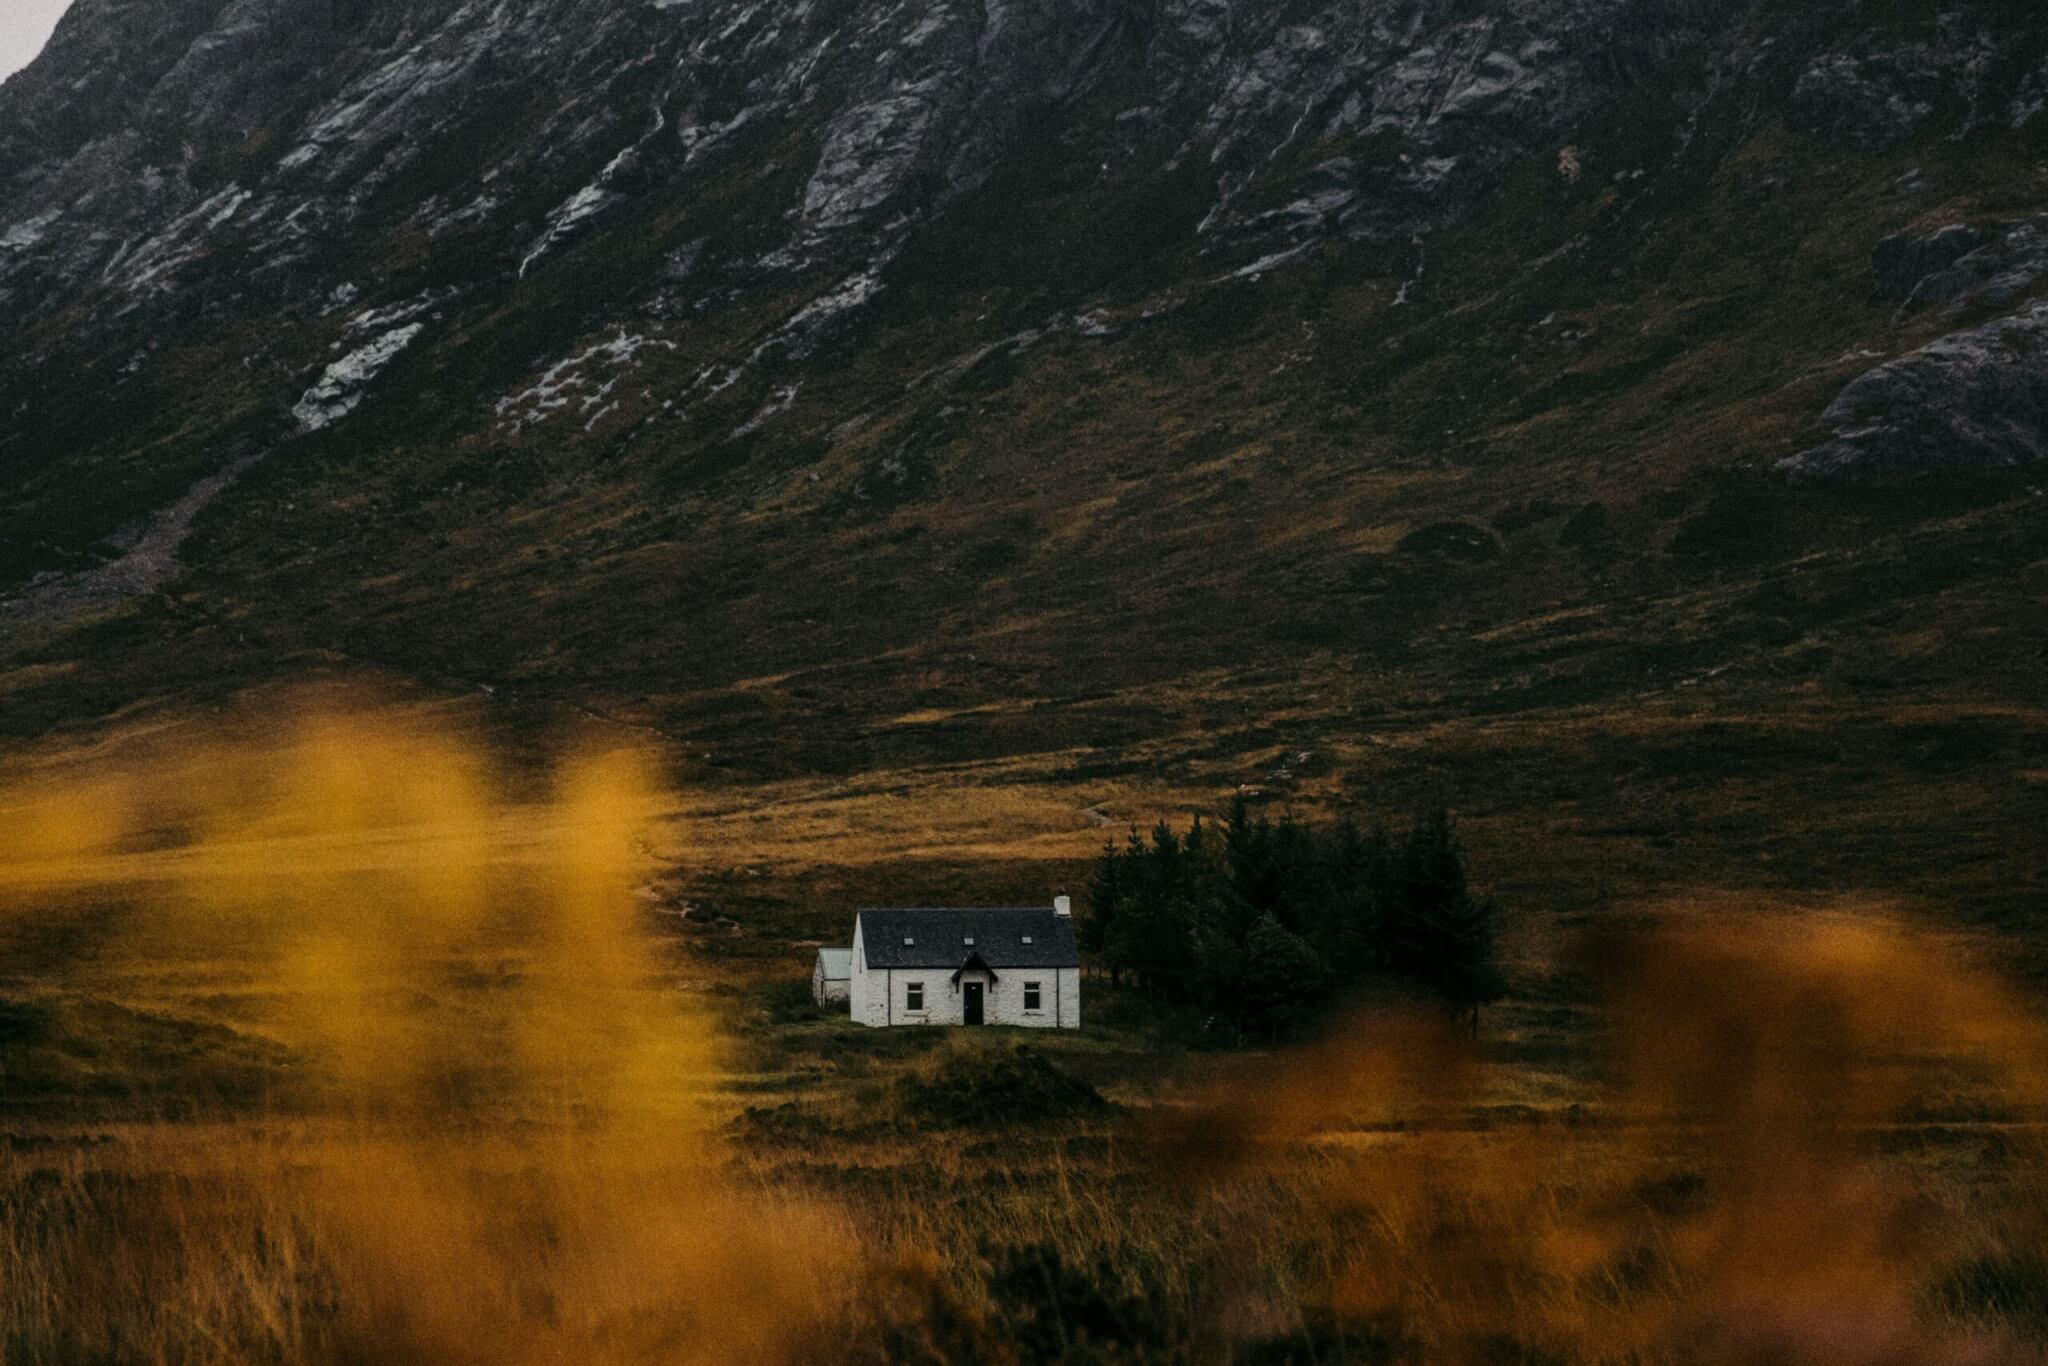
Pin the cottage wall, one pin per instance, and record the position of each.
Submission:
(1059, 998)
(870, 1004)
(944, 1003)
(885, 998)
(869, 990)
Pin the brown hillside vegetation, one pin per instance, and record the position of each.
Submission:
(343, 1040)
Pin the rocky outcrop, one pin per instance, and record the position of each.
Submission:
(1972, 403)
(1961, 265)
(292, 178)
(1901, 262)
(245, 164)
(1961, 67)
(270, 129)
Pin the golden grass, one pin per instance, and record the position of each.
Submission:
(223, 1244)
(517, 1171)
(506, 1135)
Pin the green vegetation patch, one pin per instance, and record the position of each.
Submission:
(84, 1048)
(982, 1087)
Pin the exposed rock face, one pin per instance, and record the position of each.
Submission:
(341, 388)
(1875, 100)
(174, 173)
(271, 129)
(1961, 265)
(1900, 264)
(324, 204)
(1882, 86)
(311, 109)
(1973, 402)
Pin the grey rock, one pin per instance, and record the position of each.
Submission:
(2009, 261)
(1879, 91)
(1973, 402)
(1899, 263)
(1874, 102)
(908, 107)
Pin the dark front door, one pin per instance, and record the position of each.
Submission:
(970, 1003)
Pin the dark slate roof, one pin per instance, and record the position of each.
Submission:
(941, 934)
(975, 963)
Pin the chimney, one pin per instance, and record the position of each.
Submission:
(1063, 907)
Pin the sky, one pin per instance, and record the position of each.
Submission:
(24, 27)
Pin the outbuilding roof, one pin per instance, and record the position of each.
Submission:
(838, 963)
(944, 936)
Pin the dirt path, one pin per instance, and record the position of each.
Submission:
(149, 564)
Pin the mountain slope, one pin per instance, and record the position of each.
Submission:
(1451, 388)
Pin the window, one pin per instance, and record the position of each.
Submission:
(968, 941)
(910, 939)
(913, 996)
(1031, 995)
(1027, 939)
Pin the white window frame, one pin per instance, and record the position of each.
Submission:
(1034, 998)
(913, 998)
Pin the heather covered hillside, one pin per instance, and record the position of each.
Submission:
(1624, 412)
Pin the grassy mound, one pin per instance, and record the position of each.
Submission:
(81, 1050)
(980, 1087)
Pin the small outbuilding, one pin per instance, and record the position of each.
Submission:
(832, 977)
(967, 965)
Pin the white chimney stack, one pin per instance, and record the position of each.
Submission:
(1063, 907)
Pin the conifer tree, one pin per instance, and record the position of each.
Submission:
(1260, 921)
(1105, 891)
(1435, 934)
(1280, 980)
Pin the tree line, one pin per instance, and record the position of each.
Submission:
(1260, 923)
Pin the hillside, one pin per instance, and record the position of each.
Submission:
(1624, 419)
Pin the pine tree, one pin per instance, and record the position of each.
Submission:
(1258, 920)
(1349, 931)
(1151, 929)
(1105, 890)
(1435, 935)
(1280, 980)
(1248, 846)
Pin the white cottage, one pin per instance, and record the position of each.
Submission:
(998, 965)
(832, 976)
